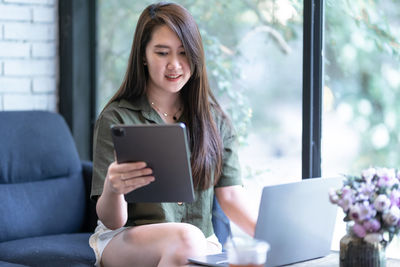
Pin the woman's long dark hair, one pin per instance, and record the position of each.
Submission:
(205, 140)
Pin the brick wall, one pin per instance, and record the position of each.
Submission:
(28, 54)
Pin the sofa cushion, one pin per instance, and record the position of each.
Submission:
(55, 250)
(42, 208)
(41, 186)
(35, 145)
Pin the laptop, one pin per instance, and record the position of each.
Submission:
(296, 219)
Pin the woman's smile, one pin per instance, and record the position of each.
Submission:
(173, 77)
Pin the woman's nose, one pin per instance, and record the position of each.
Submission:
(174, 63)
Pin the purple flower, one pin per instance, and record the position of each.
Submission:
(361, 211)
(354, 212)
(368, 174)
(395, 197)
(346, 198)
(359, 230)
(346, 191)
(372, 203)
(387, 177)
(382, 172)
(367, 211)
(372, 225)
(333, 197)
(345, 202)
(392, 216)
(382, 203)
(366, 190)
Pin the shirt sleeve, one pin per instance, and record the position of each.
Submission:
(103, 151)
(231, 174)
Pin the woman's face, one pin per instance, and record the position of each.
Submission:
(168, 66)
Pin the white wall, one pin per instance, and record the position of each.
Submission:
(28, 55)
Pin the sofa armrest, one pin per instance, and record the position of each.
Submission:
(90, 213)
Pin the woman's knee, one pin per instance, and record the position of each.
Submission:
(172, 243)
(189, 241)
(192, 238)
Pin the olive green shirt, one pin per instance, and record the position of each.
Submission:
(199, 212)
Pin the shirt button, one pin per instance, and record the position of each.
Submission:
(180, 203)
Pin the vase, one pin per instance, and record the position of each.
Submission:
(355, 252)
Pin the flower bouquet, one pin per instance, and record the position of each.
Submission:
(371, 203)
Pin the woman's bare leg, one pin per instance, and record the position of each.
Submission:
(165, 244)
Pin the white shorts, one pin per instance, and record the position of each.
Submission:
(102, 236)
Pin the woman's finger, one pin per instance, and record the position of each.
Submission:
(139, 181)
(125, 167)
(130, 166)
(138, 184)
(136, 173)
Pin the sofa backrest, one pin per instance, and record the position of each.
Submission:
(41, 185)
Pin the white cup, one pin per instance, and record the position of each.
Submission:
(246, 252)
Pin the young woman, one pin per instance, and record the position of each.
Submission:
(165, 82)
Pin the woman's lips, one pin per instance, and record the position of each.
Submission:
(173, 77)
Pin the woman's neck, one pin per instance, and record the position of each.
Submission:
(168, 106)
(166, 102)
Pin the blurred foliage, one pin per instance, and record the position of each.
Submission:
(362, 58)
(363, 71)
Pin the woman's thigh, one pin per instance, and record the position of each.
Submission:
(164, 244)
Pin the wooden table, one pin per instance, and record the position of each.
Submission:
(332, 260)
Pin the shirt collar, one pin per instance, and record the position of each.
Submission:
(141, 104)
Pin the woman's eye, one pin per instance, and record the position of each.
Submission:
(162, 53)
(183, 53)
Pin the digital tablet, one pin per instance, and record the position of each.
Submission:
(164, 147)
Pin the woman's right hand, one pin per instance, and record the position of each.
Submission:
(126, 177)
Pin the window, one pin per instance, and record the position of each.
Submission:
(362, 81)
(361, 125)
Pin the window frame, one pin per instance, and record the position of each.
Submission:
(77, 70)
(313, 30)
